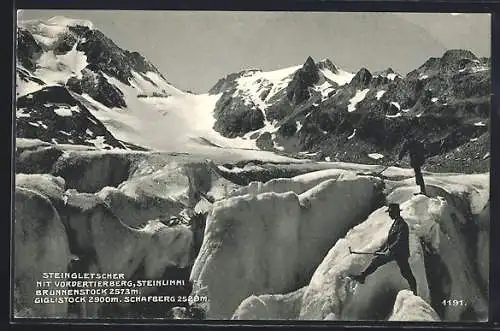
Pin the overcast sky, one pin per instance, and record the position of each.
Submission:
(194, 49)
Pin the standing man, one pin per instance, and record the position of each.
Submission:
(395, 248)
(416, 150)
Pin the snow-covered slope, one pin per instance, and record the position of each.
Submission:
(137, 106)
(259, 88)
(265, 94)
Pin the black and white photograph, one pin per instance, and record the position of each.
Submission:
(246, 165)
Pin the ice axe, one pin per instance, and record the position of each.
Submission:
(364, 253)
(375, 174)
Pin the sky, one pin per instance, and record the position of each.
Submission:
(195, 49)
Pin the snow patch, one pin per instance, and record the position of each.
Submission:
(27, 85)
(299, 125)
(21, 113)
(352, 134)
(474, 70)
(391, 76)
(57, 69)
(340, 78)
(360, 95)
(63, 112)
(237, 170)
(395, 115)
(434, 99)
(395, 104)
(278, 147)
(253, 83)
(375, 156)
(99, 142)
(423, 77)
(380, 94)
(479, 124)
(324, 89)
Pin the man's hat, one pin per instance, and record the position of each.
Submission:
(393, 206)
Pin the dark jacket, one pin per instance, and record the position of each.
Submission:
(416, 150)
(398, 239)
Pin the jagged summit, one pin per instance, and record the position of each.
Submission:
(361, 79)
(309, 62)
(450, 63)
(327, 64)
(458, 54)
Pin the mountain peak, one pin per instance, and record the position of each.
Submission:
(327, 64)
(57, 22)
(66, 21)
(454, 55)
(362, 79)
(309, 62)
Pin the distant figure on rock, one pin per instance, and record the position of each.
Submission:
(395, 248)
(416, 150)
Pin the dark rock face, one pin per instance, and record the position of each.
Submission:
(235, 117)
(451, 62)
(281, 104)
(97, 87)
(65, 43)
(104, 55)
(297, 91)
(28, 50)
(52, 114)
(265, 142)
(327, 64)
(442, 102)
(226, 83)
(362, 79)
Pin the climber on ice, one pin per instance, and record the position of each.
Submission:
(416, 151)
(396, 248)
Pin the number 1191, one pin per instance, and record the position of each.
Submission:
(453, 303)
